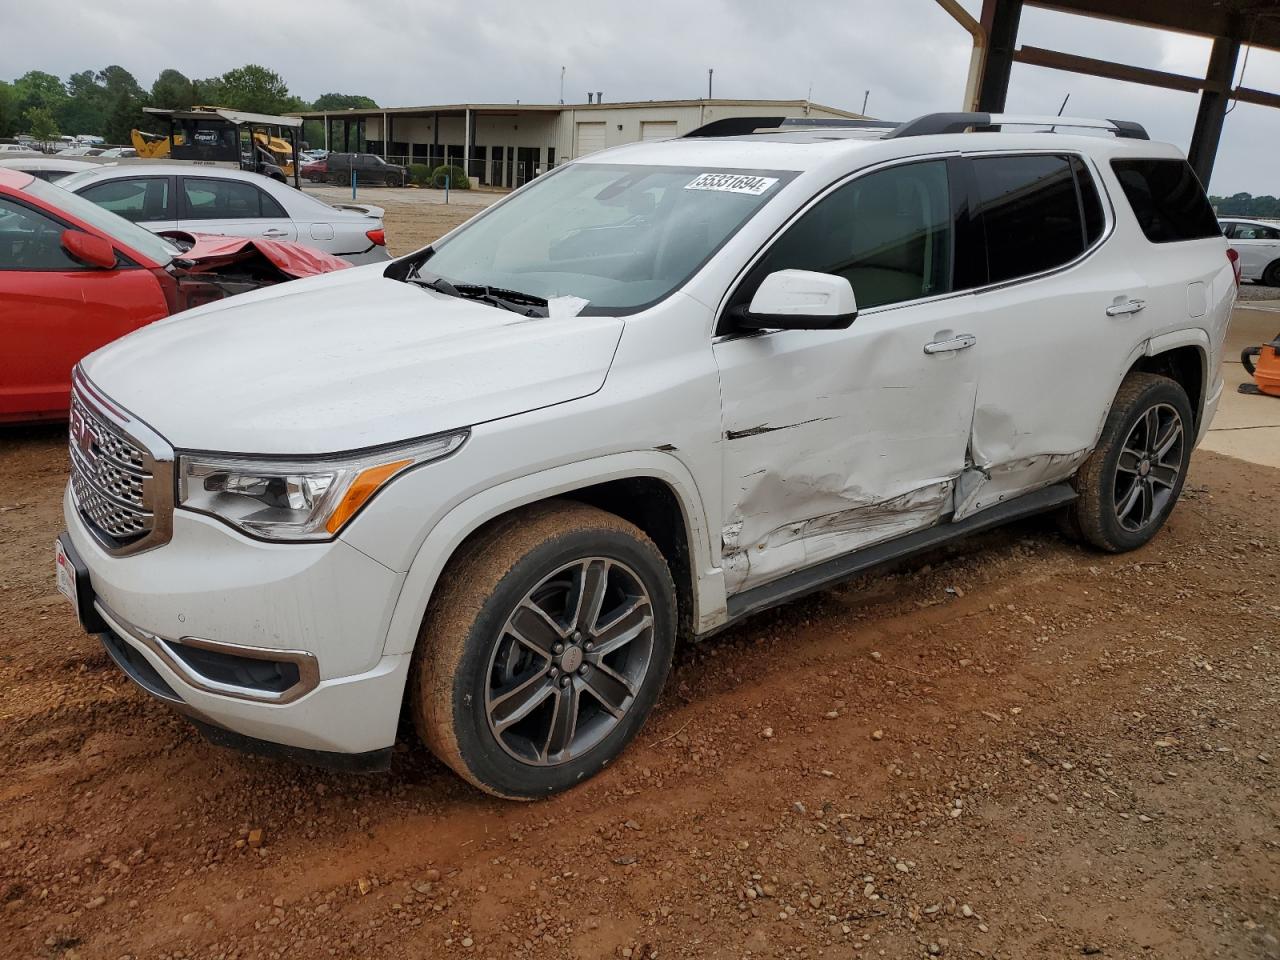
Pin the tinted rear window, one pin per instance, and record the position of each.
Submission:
(1167, 199)
(1032, 214)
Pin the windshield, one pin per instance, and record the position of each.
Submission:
(619, 236)
(144, 241)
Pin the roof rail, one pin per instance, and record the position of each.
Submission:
(840, 123)
(741, 126)
(734, 126)
(934, 123)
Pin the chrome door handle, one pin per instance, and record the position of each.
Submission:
(273, 232)
(1129, 306)
(961, 341)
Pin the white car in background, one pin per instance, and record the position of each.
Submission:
(118, 153)
(51, 169)
(1258, 244)
(175, 196)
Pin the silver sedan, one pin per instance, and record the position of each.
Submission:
(178, 196)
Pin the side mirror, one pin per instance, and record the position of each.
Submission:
(89, 249)
(799, 300)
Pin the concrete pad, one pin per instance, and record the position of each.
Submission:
(1247, 427)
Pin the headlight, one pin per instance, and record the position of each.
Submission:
(279, 499)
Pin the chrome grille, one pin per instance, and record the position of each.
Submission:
(119, 486)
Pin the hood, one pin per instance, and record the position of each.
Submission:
(210, 252)
(345, 361)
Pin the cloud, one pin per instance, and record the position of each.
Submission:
(908, 53)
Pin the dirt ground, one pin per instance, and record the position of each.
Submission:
(1013, 749)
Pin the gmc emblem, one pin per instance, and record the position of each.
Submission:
(82, 438)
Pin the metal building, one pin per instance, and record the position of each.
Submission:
(508, 144)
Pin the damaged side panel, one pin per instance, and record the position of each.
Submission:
(1008, 457)
(837, 440)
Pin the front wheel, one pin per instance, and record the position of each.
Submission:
(544, 649)
(1130, 483)
(1271, 275)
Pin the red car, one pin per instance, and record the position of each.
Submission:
(315, 171)
(74, 277)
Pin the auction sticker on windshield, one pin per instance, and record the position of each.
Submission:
(732, 183)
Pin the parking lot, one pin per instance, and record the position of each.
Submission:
(1012, 749)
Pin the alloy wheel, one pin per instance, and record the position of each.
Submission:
(1148, 468)
(569, 662)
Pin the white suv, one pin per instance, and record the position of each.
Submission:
(649, 394)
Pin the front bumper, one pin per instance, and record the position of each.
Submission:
(278, 645)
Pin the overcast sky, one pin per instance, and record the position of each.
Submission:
(908, 53)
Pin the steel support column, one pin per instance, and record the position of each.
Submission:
(1213, 107)
(466, 142)
(1000, 20)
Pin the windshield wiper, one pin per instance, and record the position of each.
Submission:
(525, 304)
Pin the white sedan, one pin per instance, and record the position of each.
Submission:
(176, 196)
(48, 168)
(1258, 244)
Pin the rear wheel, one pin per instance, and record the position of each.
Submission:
(1271, 275)
(545, 647)
(1130, 483)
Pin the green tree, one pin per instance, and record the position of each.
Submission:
(173, 90)
(123, 99)
(206, 93)
(343, 101)
(8, 110)
(39, 89)
(255, 89)
(40, 123)
(83, 110)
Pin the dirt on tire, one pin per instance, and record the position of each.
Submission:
(1013, 749)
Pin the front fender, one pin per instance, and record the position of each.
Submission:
(466, 517)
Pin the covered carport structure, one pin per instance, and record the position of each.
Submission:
(1230, 24)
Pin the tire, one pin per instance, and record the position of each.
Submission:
(1130, 483)
(1271, 275)
(393, 180)
(341, 179)
(489, 704)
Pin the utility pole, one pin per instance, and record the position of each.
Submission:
(562, 84)
(710, 71)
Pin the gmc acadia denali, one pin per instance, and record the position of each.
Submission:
(652, 392)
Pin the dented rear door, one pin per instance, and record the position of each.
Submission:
(1057, 326)
(834, 440)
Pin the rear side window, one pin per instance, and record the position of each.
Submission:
(1167, 199)
(226, 200)
(1032, 213)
